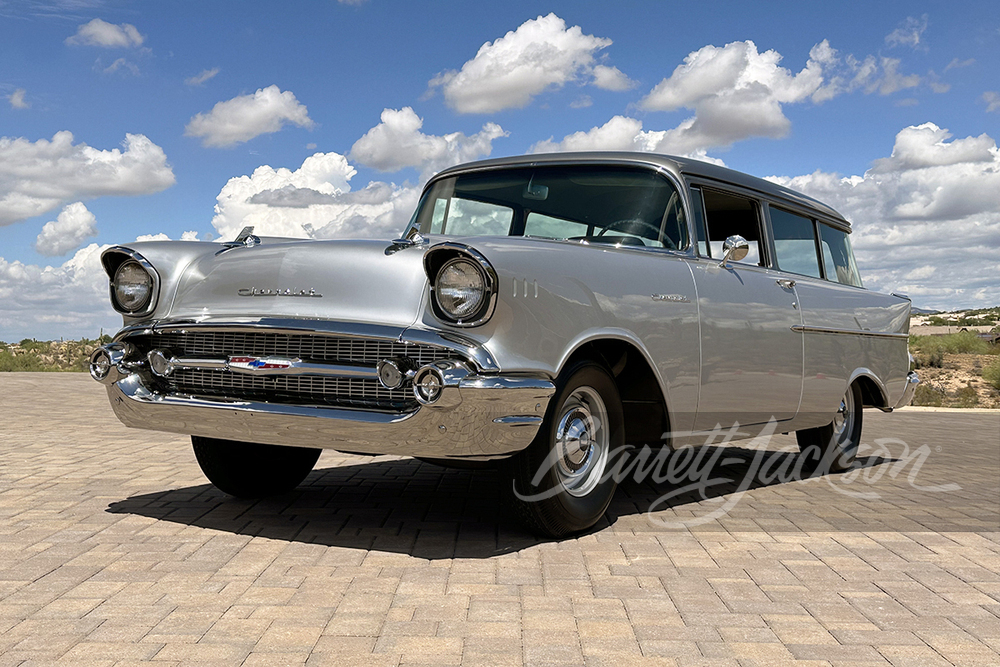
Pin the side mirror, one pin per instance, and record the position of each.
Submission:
(734, 249)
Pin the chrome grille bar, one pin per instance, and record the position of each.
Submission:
(364, 351)
(283, 367)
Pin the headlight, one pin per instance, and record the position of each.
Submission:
(460, 289)
(463, 284)
(133, 287)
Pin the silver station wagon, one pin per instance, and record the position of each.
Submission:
(540, 314)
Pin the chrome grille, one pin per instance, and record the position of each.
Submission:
(317, 390)
(293, 389)
(307, 347)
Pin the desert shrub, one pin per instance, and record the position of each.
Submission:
(992, 374)
(966, 397)
(963, 342)
(33, 355)
(10, 362)
(933, 358)
(32, 345)
(929, 396)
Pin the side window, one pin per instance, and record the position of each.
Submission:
(438, 216)
(838, 259)
(698, 210)
(727, 214)
(466, 217)
(794, 243)
(549, 227)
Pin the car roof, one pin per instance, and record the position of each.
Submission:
(680, 166)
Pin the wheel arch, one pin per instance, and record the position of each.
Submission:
(634, 373)
(873, 392)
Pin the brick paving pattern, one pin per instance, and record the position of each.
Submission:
(114, 550)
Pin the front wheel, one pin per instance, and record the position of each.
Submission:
(558, 485)
(251, 470)
(834, 447)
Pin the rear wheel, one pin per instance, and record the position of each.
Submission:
(834, 447)
(251, 470)
(558, 485)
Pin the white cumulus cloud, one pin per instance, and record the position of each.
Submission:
(200, 79)
(621, 133)
(120, 65)
(73, 226)
(926, 218)
(37, 177)
(242, 118)
(17, 100)
(67, 300)
(736, 92)
(892, 80)
(992, 100)
(313, 201)
(909, 33)
(618, 134)
(611, 78)
(107, 35)
(397, 142)
(510, 71)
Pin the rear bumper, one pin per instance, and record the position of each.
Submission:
(908, 391)
(481, 417)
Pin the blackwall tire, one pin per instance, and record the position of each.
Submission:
(251, 470)
(834, 447)
(560, 484)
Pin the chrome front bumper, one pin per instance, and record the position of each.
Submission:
(481, 417)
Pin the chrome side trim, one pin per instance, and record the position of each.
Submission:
(518, 420)
(848, 332)
(461, 425)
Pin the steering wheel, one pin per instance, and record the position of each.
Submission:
(635, 221)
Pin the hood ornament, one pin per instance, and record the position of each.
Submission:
(245, 239)
(411, 237)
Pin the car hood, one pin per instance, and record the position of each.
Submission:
(346, 280)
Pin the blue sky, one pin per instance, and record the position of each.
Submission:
(888, 111)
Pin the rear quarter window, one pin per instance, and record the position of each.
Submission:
(838, 258)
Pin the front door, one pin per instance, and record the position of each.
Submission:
(751, 359)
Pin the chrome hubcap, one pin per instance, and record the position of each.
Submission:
(844, 418)
(581, 442)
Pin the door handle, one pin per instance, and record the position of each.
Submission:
(786, 283)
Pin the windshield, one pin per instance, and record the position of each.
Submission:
(601, 204)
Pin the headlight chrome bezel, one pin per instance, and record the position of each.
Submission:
(117, 258)
(444, 255)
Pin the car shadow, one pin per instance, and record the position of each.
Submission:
(412, 507)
